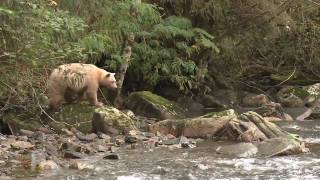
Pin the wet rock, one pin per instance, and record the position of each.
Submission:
(67, 132)
(200, 127)
(80, 165)
(21, 145)
(48, 165)
(69, 154)
(2, 137)
(145, 103)
(70, 146)
(160, 171)
(132, 139)
(102, 148)
(148, 134)
(119, 141)
(291, 96)
(38, 135)
(22, 138)
(107, 138)
(170, 136)
(238, 150)
(253, 100)
(169, 142)
(220, 99)
(44, 130)
(273, 110)
(188, 177)
(109, 119)
(86, 137)
(249, 127)
(27, 133)
(113, 149)
(51, 149)
(312, 112)
(112, 157)
(185, 142)
(281, 146)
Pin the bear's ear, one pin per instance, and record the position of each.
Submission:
(108, 75)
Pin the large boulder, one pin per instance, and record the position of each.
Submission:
(82, 117)
(247, 127)
(145, 103)
(78, 116)
(200, 127)
(292, 96)
(254, 100)
(273, 112)
(219, 99)
(110, 120)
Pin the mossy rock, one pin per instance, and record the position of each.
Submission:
(199, 127)
(297, 91)
(108, 119)
(147, 104)
(292, 96)
(73, 115)
(313, 90)
(25, 121)
(229, 112)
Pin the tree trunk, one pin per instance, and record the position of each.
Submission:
(126, 55)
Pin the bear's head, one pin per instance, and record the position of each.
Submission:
(108, 80)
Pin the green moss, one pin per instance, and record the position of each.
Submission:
(160, 102)
(76, 115)
(22, 122)
(297, 91)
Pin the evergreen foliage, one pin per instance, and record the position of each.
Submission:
(170, 51)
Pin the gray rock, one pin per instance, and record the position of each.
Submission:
(291, 96)
(72, 155)
(80, 165)
(27, 133)
(132, 139)
(21, 145)
(107, 138)
(48, 165)
(170, 141)
(86, 137)
(112, 157)
(238, 150)
(281, 146)
(253, 100)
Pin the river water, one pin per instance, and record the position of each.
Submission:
(202, 162)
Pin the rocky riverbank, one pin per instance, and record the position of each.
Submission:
(63, 139)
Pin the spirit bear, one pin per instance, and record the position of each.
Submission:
(76, 79)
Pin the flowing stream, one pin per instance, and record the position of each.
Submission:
(202, 162)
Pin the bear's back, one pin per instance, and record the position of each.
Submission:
(74, 75)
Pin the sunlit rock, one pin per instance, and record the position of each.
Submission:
(109, 119)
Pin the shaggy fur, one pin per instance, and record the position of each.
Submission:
(75, 81)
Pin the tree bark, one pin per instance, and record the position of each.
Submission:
(126, 55)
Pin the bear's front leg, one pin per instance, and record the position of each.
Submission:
(93, 99)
